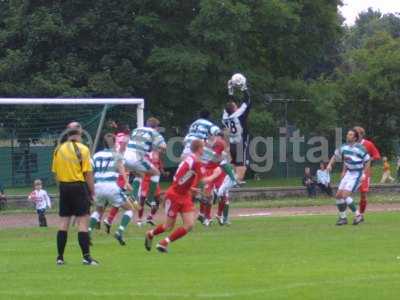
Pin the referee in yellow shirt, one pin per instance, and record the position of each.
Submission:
(73, 172)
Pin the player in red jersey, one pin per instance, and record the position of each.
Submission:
(364, 188)
(178, 198)
(213, 155)
(144, 191)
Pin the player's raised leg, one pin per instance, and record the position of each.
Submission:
(108, 221)
(125, 220)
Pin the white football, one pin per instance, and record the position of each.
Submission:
(238, 79)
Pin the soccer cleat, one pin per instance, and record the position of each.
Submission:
(162, 247)
(88, 261)
(238, 184)
(150, 221)
(60, 261)
(207, 222)
(220, 220)
(107, 226)
(362, 218)
(119, 238)
(357, 220)
(140, 223)
(227, 223)
(200, 218)
(148, 241)
(341, 221)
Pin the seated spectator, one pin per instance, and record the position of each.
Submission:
(398, 168)
(386, 174)
(309, 182)
(3, 198)
(324, 179)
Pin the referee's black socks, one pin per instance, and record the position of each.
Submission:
(84, 240)
(62, 237)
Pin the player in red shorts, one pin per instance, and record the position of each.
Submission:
(178, 198)
(215, 161)
(364, 188)
(144, 191)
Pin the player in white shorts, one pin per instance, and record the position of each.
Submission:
(356, 163)
(108, 165)
(143, 141)
(201, 129)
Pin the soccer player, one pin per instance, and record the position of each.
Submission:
(143, 141)
(212, 156)
(356, 162)
(155, 159)
(178, 198)
(108, 165)
(201, 129)
(122, 132)
(364, 188)
(215, 162)
(234, 119)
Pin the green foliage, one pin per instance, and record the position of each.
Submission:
(178, 55)
(170, 52)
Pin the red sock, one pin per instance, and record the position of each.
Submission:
(158, 230)
(208, 211)
(140, 213)
(363, 203)
(221, 205)
(112, 214)
(202, 208)
(177, 234)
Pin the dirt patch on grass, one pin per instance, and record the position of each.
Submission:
(20, 220)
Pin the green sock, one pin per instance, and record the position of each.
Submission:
(152, 191)
(229, 170)
(341, 206)
(135, 188)
(92, 224)
(350, 203)
(226, 212)
(353, 207)
(126, 219)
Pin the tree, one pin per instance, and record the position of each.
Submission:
(370, 82)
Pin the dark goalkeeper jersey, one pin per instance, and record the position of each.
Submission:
(237, 121)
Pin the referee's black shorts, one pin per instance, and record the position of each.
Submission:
(74, 199)
(240, 153)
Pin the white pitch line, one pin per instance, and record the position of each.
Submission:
(266, 214)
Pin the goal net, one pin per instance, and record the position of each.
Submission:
(30, 129)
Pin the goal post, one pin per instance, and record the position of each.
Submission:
(31, 127)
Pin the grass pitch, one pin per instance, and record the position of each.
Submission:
(304, 257)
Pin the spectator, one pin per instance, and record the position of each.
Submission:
(3, 199)
(386, 175)
(309, 182)
(41, 200)
(324, 179)
(398, 168)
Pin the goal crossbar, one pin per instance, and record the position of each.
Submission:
(76, 101)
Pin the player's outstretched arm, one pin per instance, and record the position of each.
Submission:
(331, 163)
